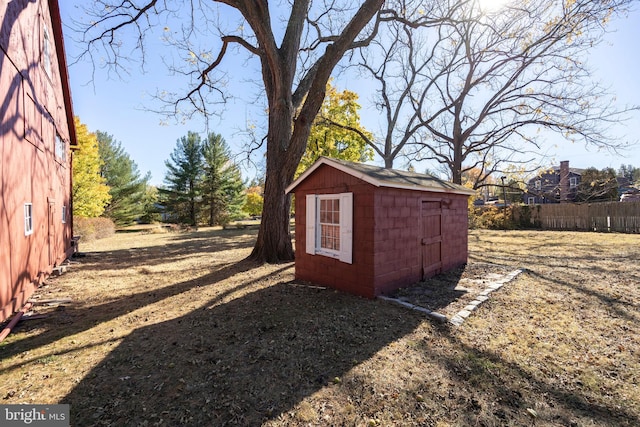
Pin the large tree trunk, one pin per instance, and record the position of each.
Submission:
(287, 137)
(274, 238)
(284, 152)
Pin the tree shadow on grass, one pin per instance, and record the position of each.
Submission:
(503, 392)
(73, 320)
(241, 362)
(179, 246)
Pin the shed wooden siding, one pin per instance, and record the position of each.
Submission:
(398, 234)
(356, 277)
(387, 231)
(34, 108)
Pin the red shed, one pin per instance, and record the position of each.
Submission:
(36, 135)
(367, 230)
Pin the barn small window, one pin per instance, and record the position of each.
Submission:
(46, 51)
(329, 225)
(64, 214)
(538, 184)
(60, 148)
(28, 219)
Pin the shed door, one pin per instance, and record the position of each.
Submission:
(431, 238)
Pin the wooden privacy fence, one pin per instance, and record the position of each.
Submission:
(622, 217)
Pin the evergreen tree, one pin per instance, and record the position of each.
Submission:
(631, 173)
(181, 195)
(222, 188)
(127, 187)
(150, 208)
(90, 191)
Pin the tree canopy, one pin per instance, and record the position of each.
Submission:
(597, 186)
(222, 190)
(473, 90)
(332, 133)
(90, 191)
(203, 185)
(182, 192)
(126, 187)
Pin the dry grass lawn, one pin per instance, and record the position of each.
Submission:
(177, 329)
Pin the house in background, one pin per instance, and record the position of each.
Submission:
(557, 185)
(37, 134)
(367, 230)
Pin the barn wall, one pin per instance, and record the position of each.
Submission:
(355, 278)
(32, 112)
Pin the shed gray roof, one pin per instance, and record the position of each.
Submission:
(381, 177)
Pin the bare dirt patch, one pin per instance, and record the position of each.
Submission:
(450, 292)
(175, 328)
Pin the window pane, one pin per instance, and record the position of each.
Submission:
(330, 237)
(329, 224)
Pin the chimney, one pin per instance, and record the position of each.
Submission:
(564, 181)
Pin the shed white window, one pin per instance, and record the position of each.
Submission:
(538, 184)
(28, 219)
(330, 225)
(531, 201)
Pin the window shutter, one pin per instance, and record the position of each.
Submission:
(346, 227)
(311, 224)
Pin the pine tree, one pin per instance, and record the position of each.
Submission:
(151, 209)
(90, 191)
(181, 195)
(127, 187)
(222, 187)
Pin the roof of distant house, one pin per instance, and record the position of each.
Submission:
(577, 171)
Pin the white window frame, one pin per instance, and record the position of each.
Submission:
(64, 214)
(531, 200)
(537, 184)
(573, 182)
(345, 254)
(28, 219)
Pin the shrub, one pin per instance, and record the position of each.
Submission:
(492, 218)
(500, 218)
(93, 228)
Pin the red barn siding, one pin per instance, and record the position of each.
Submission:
(33, 108)
(387, 234)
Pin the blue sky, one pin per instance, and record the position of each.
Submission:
(117, 106)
